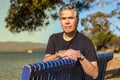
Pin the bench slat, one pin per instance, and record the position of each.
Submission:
(63, 69)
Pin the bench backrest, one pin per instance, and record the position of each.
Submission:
(63, 69)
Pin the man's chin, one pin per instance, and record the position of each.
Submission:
(67, 32)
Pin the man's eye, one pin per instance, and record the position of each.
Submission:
(71, 17)
(63, 18)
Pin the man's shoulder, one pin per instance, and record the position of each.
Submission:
(83, 36)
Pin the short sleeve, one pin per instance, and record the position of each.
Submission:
(90, 52)
(50, 49)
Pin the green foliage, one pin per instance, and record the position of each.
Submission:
(102, 40)
(32, 15)
(115, 42)
(97, 27)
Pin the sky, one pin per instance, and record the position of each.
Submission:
(37, 36)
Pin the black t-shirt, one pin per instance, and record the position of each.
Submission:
(80, 42)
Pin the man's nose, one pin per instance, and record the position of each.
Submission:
(67, 21)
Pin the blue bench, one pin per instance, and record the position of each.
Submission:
(63, 69)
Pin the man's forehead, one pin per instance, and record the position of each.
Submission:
(67, 12)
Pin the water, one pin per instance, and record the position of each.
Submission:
(11, 63)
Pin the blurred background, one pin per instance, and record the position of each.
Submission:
(25, 27)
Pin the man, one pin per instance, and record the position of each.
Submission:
(72, 44)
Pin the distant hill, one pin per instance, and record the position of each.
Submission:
(21, 46)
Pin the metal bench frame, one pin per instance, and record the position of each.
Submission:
(63, 69)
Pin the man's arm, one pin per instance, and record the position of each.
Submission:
(90, 68)
(70, 53)
(49, 57)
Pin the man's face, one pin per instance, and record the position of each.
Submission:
(68, 20)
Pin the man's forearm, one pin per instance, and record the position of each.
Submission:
(49, 57)
(90, 68)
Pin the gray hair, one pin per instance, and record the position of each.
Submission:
(69, 7)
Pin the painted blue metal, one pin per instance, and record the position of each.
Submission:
(63, 69)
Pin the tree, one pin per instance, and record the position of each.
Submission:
(29, 15)
(97, 27)
(32, 15)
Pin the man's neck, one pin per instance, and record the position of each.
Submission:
(69, 36)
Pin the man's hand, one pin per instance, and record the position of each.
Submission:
(70, 53)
